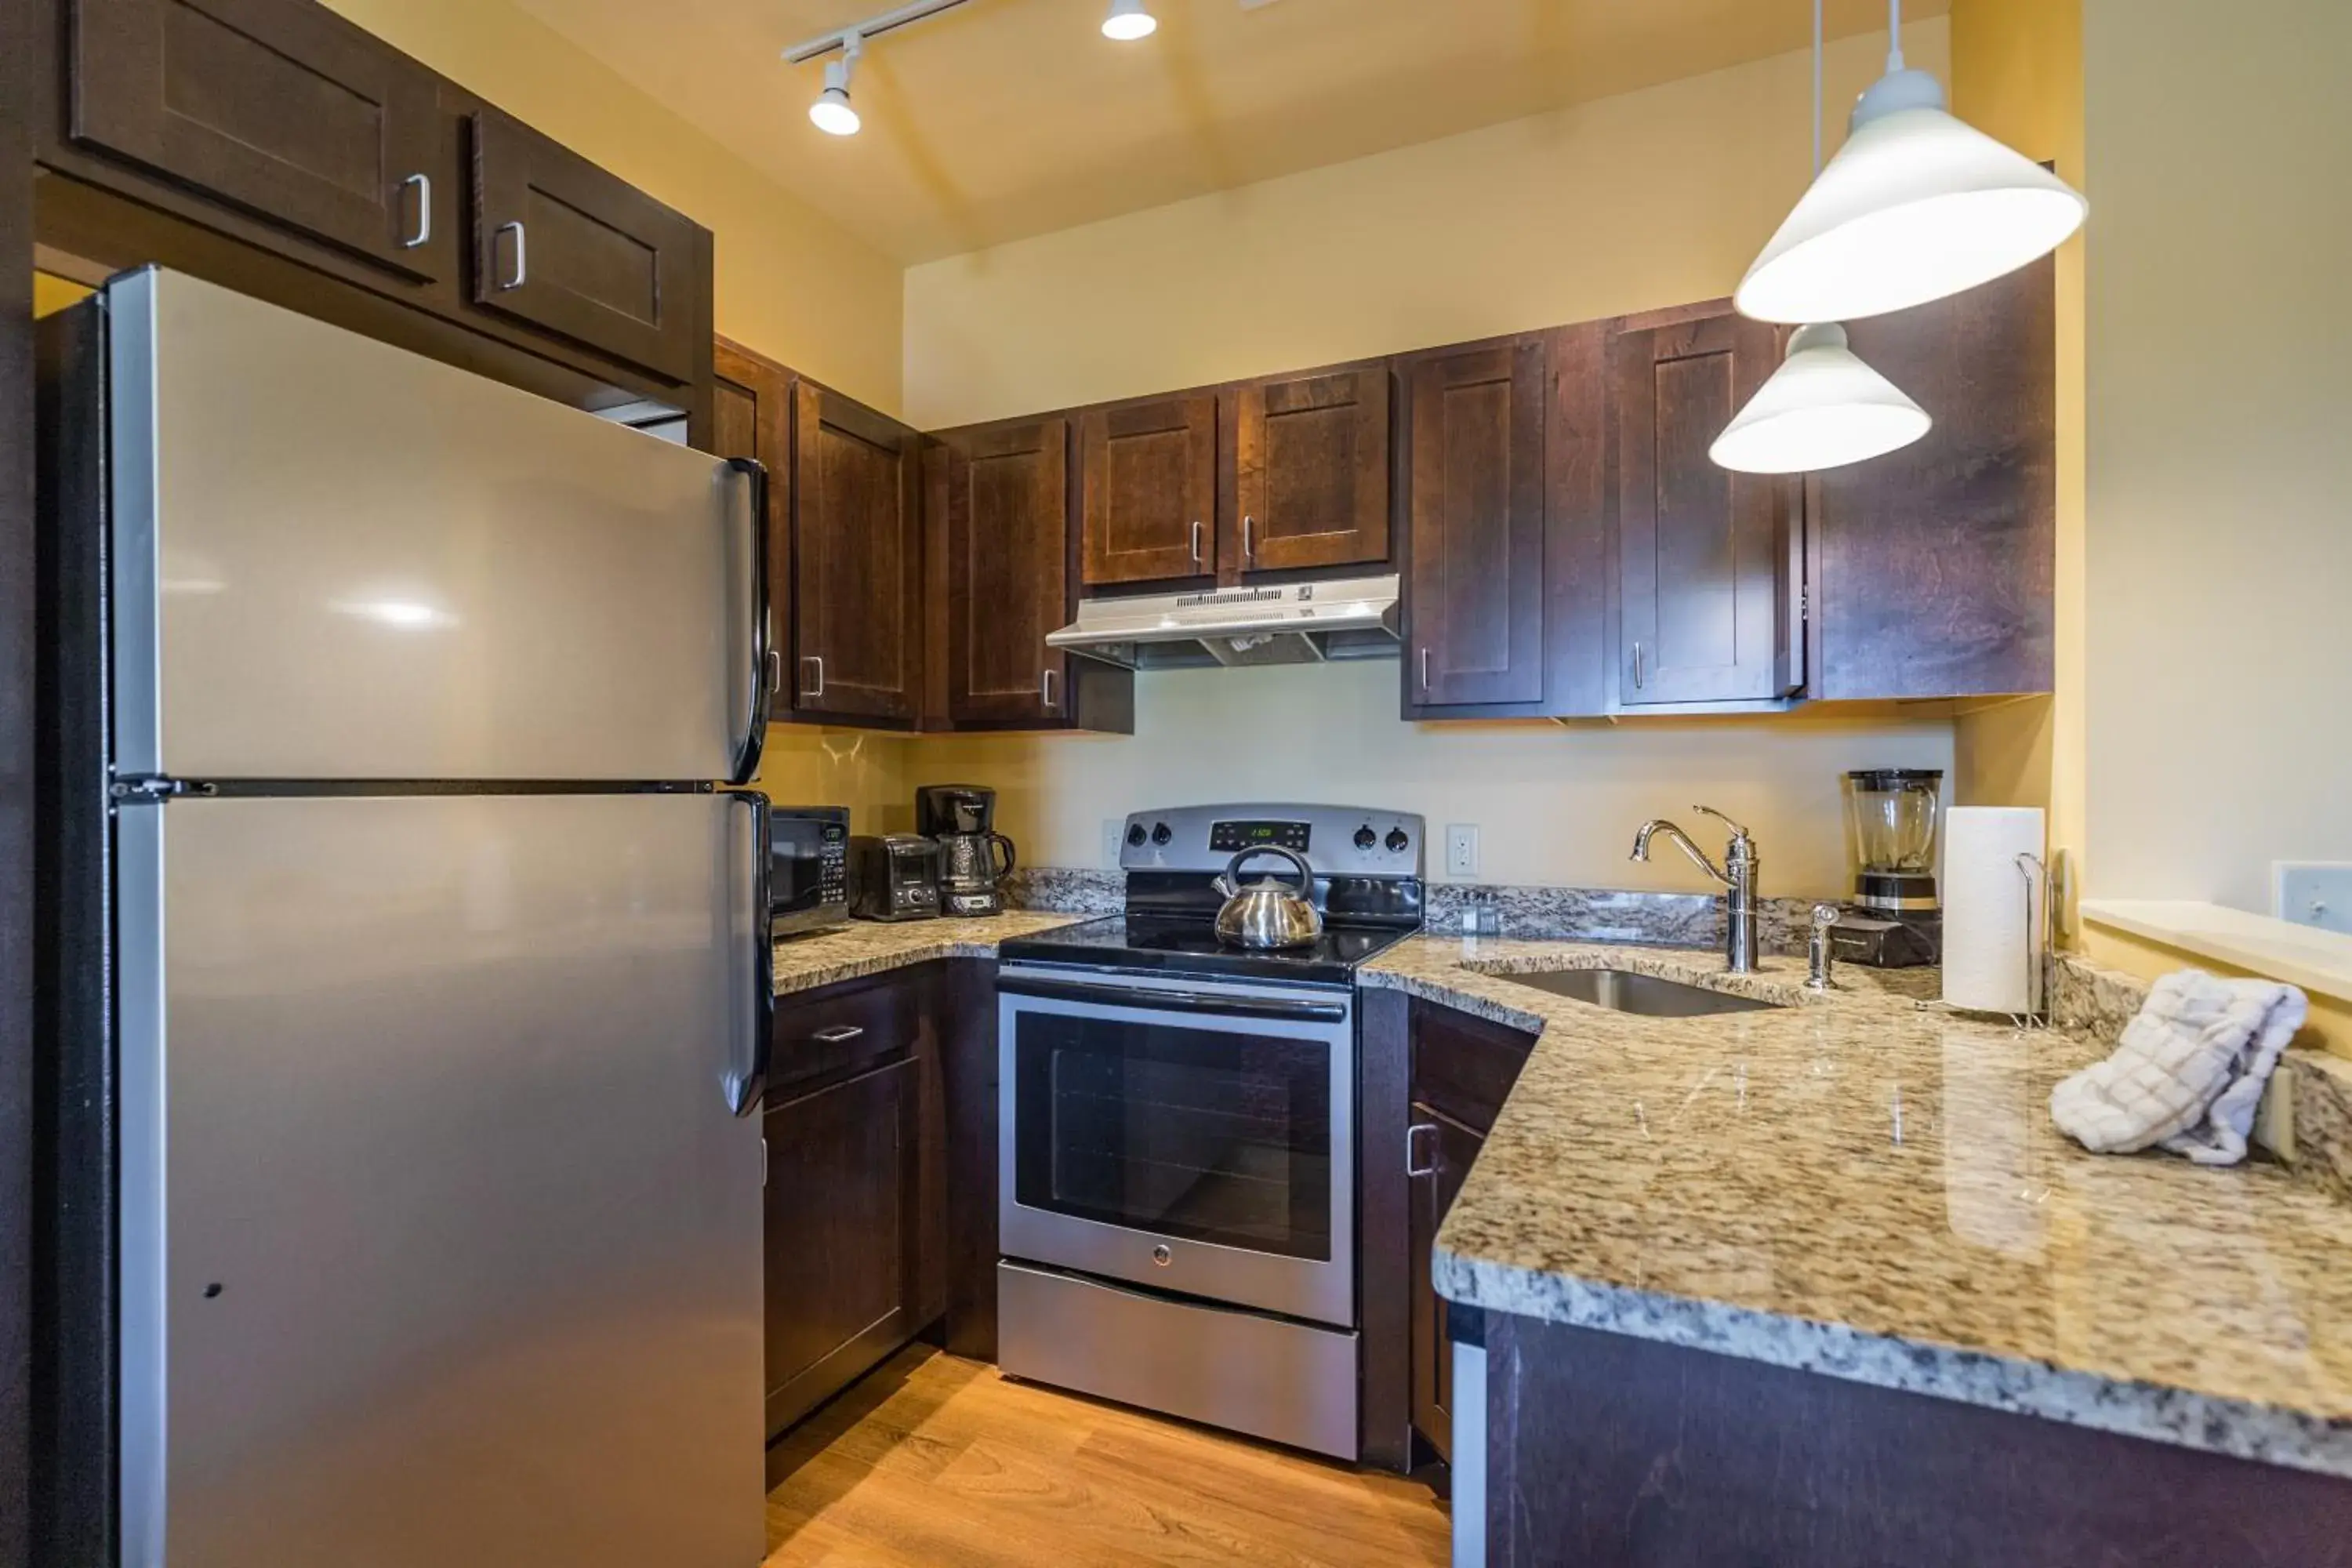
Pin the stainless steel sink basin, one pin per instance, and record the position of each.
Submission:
(1622, 991)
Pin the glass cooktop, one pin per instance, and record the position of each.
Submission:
(1162, 944)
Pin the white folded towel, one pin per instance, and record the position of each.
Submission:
(2188, 1071)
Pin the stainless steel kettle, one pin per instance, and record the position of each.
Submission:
(1269, 912)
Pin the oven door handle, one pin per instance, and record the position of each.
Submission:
(1178, 1001)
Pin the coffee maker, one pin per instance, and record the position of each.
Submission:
(962, 819)
(1894, 918)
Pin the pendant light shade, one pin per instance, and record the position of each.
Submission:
(833, 113)
(1916, 206)
(1823, 408)
(1128, 20)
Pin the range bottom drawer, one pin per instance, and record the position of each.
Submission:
(1268, 1377)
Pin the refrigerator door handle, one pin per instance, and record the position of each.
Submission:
(747, 1085)
(755, 730)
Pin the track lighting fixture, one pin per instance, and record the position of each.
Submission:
(832, 112)
(1128, 20)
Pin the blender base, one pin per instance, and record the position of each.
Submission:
(1878, 940)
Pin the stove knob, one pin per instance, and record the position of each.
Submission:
(1161, 834)
(1397, 842)
(1365, 838)
(1134, 834)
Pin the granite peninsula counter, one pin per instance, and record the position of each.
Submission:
(872, 947)
(1859, 1187)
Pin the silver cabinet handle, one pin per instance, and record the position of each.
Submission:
(1637, 664)
(838, 1034)
(1249, 539)
(522, 256)
(812, 674)
(1424, 670)
(422, 184)
(775, 671)
(1196, 542)
(1416, 1163)
(1045, 684)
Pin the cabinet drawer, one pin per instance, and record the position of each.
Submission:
(277, 107)
(1465, 1067)
(565, 246)
(824, 1035)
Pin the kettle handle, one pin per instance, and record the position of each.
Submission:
(1229, 881)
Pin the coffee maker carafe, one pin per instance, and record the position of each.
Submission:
(974, 859)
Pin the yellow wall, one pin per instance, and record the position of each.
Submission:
(2017, 74)
(2219, 531)
(52, 293)
(792, 282)
(1652, 198)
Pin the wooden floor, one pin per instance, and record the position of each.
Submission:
(941, 1462)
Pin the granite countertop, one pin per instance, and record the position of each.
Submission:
(1861, 1188)
(869, 947)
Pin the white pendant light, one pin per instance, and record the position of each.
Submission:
(1128, 20)
(1916, 206)
(832, 112)
(1823, 408)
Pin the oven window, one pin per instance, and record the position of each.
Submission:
(1205, 1134)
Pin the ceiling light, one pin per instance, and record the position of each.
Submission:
(1823, 408)
(833, 112)
(1128, 21)
(1917, 205)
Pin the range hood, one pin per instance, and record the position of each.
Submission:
(1297, 623)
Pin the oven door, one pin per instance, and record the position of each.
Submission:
(1193, 1136)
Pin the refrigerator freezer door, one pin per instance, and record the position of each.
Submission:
(336, 560)
(440, 1243)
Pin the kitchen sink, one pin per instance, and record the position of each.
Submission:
(1622, 991)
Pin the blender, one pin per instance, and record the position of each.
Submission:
(1894, 920)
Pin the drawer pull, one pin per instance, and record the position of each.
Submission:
(838, 1035)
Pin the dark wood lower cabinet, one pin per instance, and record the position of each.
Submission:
(843, 1219)
(1444, 1151)
(1606, 1451)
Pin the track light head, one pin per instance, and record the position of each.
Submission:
(1128, 21)
(832, 112)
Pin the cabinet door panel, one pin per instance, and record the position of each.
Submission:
(563, 245)
(1933, 566)
(752, 411)
(279, 106)
(856, 544)
(1449, 1149)
(1008, 562)
(1704, 560)
(842, 1225)
(1477, 586)
(1149, 506)
(1311, 471)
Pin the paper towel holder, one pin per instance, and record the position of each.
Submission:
(2036, 873)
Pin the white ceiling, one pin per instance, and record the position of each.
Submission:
(1008, 118)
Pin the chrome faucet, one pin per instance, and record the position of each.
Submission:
(1737, 875)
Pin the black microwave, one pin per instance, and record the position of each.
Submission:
(808, 868)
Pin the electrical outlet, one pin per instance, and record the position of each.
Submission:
(1461, 848)
(1114, 834)
(2312, 893)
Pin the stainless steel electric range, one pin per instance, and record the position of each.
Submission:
(1177, 1149)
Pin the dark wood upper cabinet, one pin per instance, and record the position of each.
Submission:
(280, 108)
(1474, 597)
(1932, 568)
(1148, 506)
(1707, 574)
(751, 417)
(1311, 472)
(856, 559)
(569, 248)
(1007, 537)
(844, 1223)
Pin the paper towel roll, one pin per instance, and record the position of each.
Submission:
(1992, 910)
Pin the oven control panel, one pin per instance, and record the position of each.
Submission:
(1338, 840)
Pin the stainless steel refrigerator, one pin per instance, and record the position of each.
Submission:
(407, 978)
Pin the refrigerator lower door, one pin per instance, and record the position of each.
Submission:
(440, 1242)
(333, 559)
